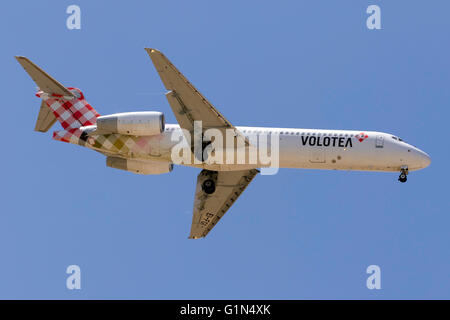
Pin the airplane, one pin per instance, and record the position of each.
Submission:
(141, 142)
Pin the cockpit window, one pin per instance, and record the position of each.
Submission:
(397, 138)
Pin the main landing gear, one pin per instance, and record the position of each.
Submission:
(402, 178)
(209, 186)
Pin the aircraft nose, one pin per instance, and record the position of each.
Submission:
(423, 158)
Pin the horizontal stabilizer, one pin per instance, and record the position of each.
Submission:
(45, 119)
(44, 81)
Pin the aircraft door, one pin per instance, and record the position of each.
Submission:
(379, 142)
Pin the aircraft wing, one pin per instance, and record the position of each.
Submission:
(187, 103)
(209, 208)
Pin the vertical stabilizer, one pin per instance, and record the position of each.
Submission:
(67, 105)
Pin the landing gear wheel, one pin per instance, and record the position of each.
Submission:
(209, 186)
(402, 178)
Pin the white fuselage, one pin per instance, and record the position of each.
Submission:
(321, 149)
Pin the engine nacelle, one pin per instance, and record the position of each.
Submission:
(139, 166)
(144, 123)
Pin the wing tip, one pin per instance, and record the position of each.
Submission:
(152, 50)
(195, 237)
(21, 59)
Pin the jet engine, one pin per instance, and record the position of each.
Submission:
(139, 166)
(145, 123)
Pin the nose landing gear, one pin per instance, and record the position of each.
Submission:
(402, 178)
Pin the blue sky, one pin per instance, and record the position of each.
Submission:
(300, 234)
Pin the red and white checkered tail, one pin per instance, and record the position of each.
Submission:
(67, 105)
(71, 113)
